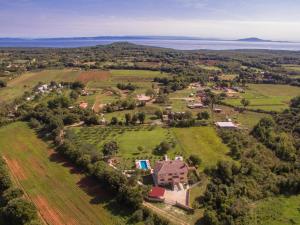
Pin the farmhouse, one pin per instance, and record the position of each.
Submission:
(195, 105)
(143, 98)
(170, 172)
(230, 125)
(217, 110)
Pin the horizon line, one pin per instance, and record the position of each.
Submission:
(184, 37)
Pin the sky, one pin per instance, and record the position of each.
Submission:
(225, 19)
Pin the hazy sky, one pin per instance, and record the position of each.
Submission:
(269, 19)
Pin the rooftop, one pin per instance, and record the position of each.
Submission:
(157, 192)
(170, 166)
(226, 124)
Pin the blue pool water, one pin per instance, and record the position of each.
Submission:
(143, 164)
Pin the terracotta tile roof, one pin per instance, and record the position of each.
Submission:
(170, 166)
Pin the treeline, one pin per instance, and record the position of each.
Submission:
(184, 119)
(14, 208)
(289, 121)
(127, 191)
(119, 105)
(281, 143)
(267, 164)
(128, 86)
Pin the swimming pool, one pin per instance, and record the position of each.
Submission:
(143, 164)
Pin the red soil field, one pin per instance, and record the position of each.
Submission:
(85, 77)
(15, 168)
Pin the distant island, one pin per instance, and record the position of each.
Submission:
(175, 42)
(254, 39)
(129, 38)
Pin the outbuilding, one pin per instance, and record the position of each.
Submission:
(157, 192)
(226, 125)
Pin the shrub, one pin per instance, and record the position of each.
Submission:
(195, 160)
(19, 211)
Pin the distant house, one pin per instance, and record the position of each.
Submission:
(195, 105)
(83, 105)
(230, 125)
(238, 89)
(43, 88)
(143, 98)
(170, 172)
(165, 118)
(195, 85)
(217, 110)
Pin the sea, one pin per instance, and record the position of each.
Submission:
(179, 44)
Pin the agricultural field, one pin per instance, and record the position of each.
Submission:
(62, 194)
(202, 141)
(228, 77)
(267, 97)
(291, 67)
(141, 78)
(16, 87)
(211, 68)
(246, 119)
(276, 211)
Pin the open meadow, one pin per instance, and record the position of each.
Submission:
(276, 211)
(140, 78)
(204, 142)
(269, 97)
(62, 194)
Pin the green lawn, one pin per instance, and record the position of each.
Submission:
(267, 96)
(62, 194)
(202, 141)
(276, 211)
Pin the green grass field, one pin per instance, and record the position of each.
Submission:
(267, 96)
(202, 141)
(16, 87)
(61, 193)
(129, 139)
(211, 68)
(276, 211)
(140, 78)
(291, 67)
(246, 119)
